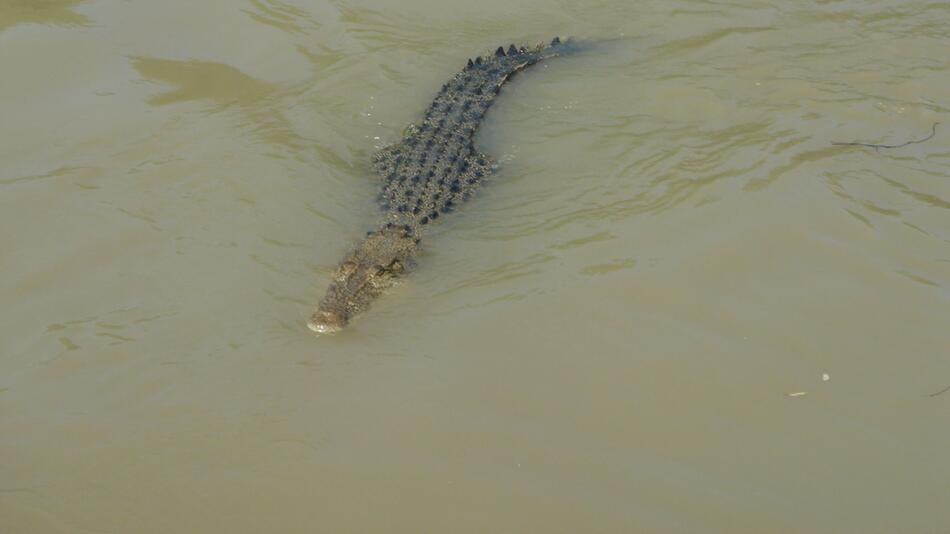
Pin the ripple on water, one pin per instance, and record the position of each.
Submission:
(670, 246)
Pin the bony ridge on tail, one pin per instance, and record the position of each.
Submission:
(431, 171)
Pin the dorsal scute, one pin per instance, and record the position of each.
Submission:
(435, 166)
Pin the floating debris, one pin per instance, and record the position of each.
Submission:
(875, 146)
(941, 392)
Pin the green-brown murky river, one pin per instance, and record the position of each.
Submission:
(675, 308)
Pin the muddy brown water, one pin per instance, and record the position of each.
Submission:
(675, 308)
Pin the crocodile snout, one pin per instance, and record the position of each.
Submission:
(326, 322)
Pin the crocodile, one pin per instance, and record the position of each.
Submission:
(431, 171)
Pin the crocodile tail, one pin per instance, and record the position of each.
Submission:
(436, 165)
(469, 94)
(462, 102)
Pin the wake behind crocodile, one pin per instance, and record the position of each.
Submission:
(431, 171)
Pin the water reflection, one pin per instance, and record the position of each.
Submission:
(281, 15)
(603, 339)
(53, 12)
(222, 88)
(222, 85)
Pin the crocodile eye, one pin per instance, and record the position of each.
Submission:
(346, 269)
(380, 277)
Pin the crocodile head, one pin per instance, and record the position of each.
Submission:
(362, 277)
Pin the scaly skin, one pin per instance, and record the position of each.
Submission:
(433, 169)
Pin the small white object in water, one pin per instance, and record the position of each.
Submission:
(825, 377)
(798, 394)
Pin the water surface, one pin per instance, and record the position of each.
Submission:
(675, 308)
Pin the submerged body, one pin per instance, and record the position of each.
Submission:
(433, 169)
